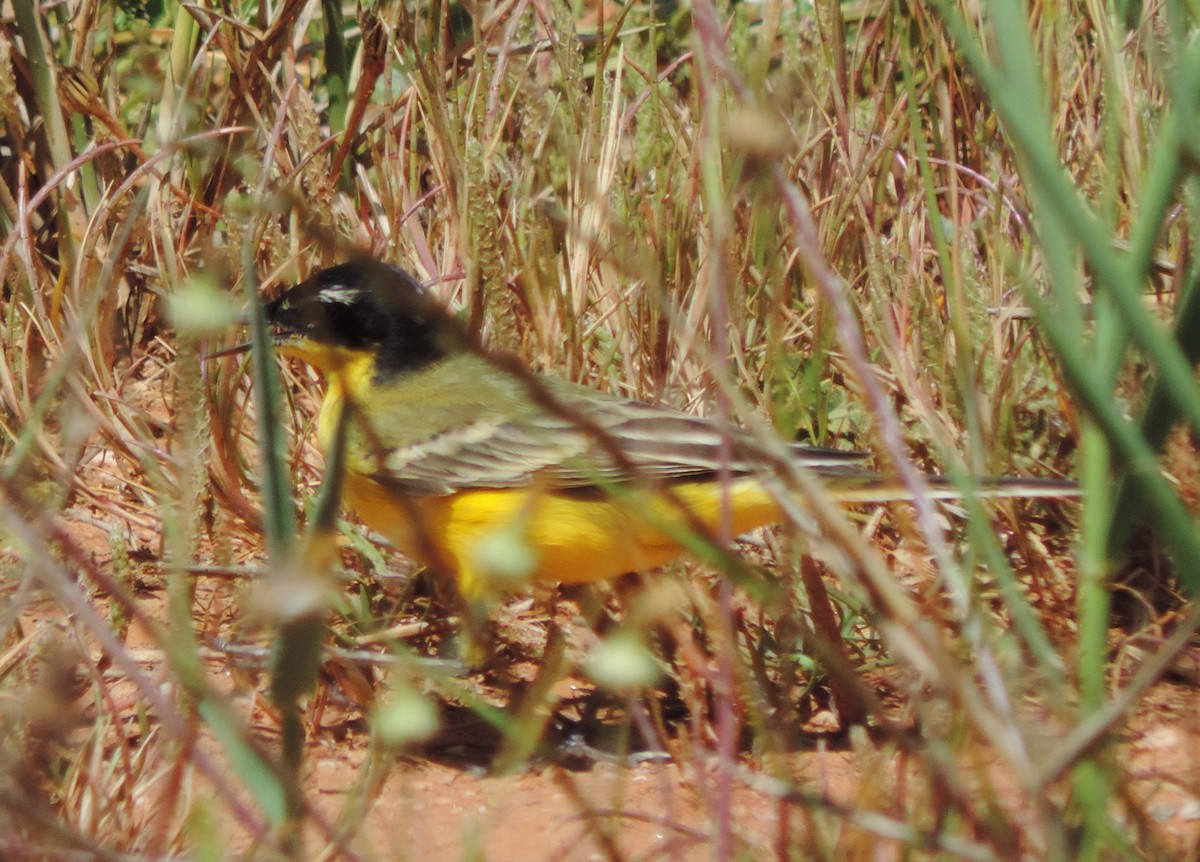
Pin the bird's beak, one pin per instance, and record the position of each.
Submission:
(243, 319)
(244, 347)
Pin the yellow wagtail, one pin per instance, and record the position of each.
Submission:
(448, 452)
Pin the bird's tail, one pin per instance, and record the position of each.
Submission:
(881, 489)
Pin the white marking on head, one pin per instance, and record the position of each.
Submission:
(340, 294)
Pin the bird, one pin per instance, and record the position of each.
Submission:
(495, 476)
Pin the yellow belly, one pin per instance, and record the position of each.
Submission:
(487, 537)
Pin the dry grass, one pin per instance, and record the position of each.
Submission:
(833, 223)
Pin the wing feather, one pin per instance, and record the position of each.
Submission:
(543, 448)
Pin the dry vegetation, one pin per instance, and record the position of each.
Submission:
(954, 234)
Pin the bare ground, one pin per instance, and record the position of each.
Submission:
(573, 802)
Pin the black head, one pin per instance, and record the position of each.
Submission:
(362, 307)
